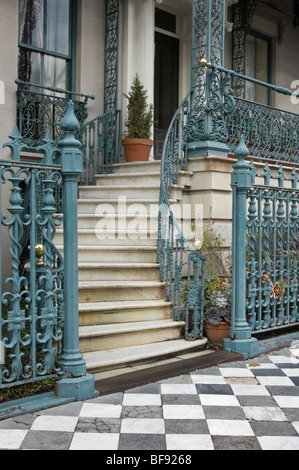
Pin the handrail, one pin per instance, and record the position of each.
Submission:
(174, 251)
(54, 89)
(271, 134)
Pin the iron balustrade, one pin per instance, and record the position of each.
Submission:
(40, 109)
(272, 249)
(31, 328)
(179, 262)
(101, 144)
(271, 134)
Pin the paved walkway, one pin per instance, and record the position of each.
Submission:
(244, 405)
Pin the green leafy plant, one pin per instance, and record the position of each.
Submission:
(218, 300)
(139, 117)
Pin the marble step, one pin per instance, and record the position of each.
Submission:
(99, 237)
(100, 361)
(101, 337)
(115, 253)
(109, 291)
(132, 192)
(94, 271)
(137, 167)
(134, 219)
(138, 178)
(121, 311)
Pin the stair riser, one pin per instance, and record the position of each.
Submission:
(121, 180)
(116, 274)
(115, 256)
(144, 167)
(112, 192)
(110, 294)
(129, 339)
(146, 222)
(124, 316)
(118, 206)
(100, 238)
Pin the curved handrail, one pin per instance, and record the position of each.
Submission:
(179, 261)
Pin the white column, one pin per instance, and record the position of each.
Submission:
(145, 44)
(139, 45)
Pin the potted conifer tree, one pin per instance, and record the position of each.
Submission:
(137, 143)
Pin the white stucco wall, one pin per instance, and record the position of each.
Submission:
(8, 68)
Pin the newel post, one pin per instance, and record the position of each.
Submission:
(241, 340)
(77, 383)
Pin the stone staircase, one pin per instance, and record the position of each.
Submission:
(124, 319)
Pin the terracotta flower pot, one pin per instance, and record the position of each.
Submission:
(216, 333)
(137, 150)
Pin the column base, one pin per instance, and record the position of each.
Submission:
(78, 388)
(207, 148)
(248, 347)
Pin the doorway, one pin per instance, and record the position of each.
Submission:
(165, 86)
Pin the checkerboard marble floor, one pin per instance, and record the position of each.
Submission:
(247, 405)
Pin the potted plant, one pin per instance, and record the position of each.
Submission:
(217, 286)
(137, 143)
(217, 310)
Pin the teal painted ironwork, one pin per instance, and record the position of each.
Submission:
(271, 134)
(265, 247)
(272, 252)
(211, 99)
(181, 266)
(32, 301)
(40, 109)
(241, 339)
(39, 306)
(101, 144)
(111, 55)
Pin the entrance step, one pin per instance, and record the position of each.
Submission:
(105, 313)
(109, 291)
(102, 337)
(119, 358)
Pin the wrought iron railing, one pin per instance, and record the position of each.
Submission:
(101, 144)
(31, 327)
(272, 249)
(181, 266)
(271, 134)
(40, 109)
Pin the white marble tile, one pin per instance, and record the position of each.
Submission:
(264, 413)
(291, 372)
(279, 442)
(229, 427)
(100, 410)
(296, 425)
(142, 426)
(183, 412)
(94, 441)
(11, 439)
(236, 372)
(283, 359)
(275, 380)
(218, 400)
(245, 389)
(55, 423)
(142, 399)
(207, 379)
(287, 401)
(185, 389)
(189, 442)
